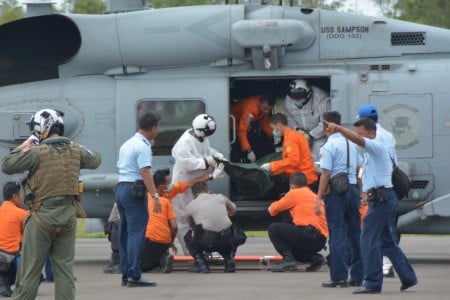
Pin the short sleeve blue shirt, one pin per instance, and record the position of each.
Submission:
(377, 166)
(134, 154)
(333, 156)
(387, 139)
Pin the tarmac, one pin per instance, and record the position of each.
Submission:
(429, 255)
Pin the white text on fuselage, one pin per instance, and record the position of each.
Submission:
(344, 32)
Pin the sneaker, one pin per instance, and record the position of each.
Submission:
(285, 265)
(199, 267)
(112, 269)
(5, 291)
(167, 265)
(316, 263)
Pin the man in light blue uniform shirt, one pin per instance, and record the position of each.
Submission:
(376, 236)
(387, 139)
(342, 210)
(134, 163)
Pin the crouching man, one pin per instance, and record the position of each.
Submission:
(306, 236)
(211, 228)
(12, 219)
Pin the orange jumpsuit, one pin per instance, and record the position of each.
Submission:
(301, 205)
(158, 229)
(296, 157)
(12, 221)
(245, 112)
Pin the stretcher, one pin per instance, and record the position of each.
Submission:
(243, 262)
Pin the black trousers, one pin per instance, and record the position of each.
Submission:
(8, 278)
(302, 242)
(114, 234)
(260, 143)
(221, 244)
(152, 255)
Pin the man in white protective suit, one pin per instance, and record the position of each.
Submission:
(304, 106)
(194, 157)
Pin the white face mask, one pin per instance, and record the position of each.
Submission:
(276, 134)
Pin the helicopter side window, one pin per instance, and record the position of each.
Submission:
(176, 117)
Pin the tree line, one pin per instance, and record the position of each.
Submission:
(434, 13)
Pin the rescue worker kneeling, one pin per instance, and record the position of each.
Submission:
(12, 219)
(302, 240)
(211, 228)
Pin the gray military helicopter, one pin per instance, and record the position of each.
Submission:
(104, 71)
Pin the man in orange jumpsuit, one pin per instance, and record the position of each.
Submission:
(296, 155)
(306, 236)
(12, 219)
(162, 227)
(248, 113)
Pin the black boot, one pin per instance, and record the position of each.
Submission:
(287, 264)
(114, 266)
(199, 265)
(5, 288)
(317, 261)
(230, 264)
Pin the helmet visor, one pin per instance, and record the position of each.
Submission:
(299, 93)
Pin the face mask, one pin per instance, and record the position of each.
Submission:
(276, 134)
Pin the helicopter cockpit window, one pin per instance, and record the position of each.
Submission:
(176, 117)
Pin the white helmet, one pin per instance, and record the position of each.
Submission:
(300, 89)
(42, 121)
(204, 125)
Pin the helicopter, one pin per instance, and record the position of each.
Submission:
(104, 71)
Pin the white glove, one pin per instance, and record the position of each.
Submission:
(34, 139)
(218, 172)
(265, 167)
(210, 161)
(276, 140)
(251, 156)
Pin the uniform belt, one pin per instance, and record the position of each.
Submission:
(218, 234)
(378, 193)
(374, 190)
(124, 183)
(312, 229)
